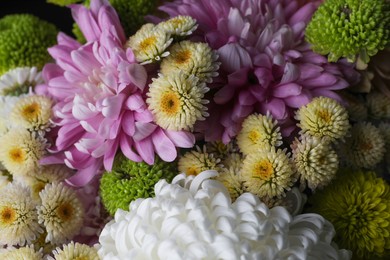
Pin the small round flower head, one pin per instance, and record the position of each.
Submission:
(177, 101)
(18, 216)
(32, 112)
(193, 58)
(195, 162)
(220, 149)
(384, 128)
(61, 212)
(22, 253)
(19, 81)
(6, 105)
(365, 147)
(130, 180)
(267, 172)
(315, 161)
(21, 150)
(149, 43)
(76, 251)
(357, 109)
(357, 204)
(323, 117)
(378, 105)
(257, 131)
(180, 25)
(350, 28)
(230, 175)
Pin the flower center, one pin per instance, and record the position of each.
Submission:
(263, 170)
(324, 115)
(170, 103)
(65, 211)
(17, 155)
(31, 111)
(7, 215)
(146, 43)
(182, 57)
(192, 170)
(254, 136)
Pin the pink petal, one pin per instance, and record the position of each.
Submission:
(181, 139)
(84, 176)
(287, 90)
(145, 150)
(143, 130)
(234, 57)
(297, 101)
(128, 124)
(109, 156)
(164, 146)
(290, 74)
(126, 148)
(135, 102)
(113, 106)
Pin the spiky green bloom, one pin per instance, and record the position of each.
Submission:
(24, 40)
(358, 205)
(350, 29)
(130, 180)
(63, 2)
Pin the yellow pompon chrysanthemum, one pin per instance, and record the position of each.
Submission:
(76, 251)
(149, 43)
(268, 172)
(21, 150)
(19, 81)
(324, 117)
(195, 162)
(315, 161)
(258, 130)
(220, 149)
(18, 216)
(32, 112)
(177, 101)
(378, 105)
(358, 205)
(180, 25)
(193, 58)
(21, 253)
(230, 175)
(364, 148)
(61, 212)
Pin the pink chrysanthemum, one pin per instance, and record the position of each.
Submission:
(266, 64)
(100, 93)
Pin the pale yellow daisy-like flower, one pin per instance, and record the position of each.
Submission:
(177, 101)
(32, 112)
(61, 212)
(378, 105)
(149, 43)
(323, 117)
(195, 162)
(257, 131)
(18, 216)
(193, 58)
(180, 25)
(5, 177)
(220, 149)
(22, 253)
(21, 150)
(315, 161)
(6, 105)
(268, 172)
(75, 251)
(19, 81)
(230, 175)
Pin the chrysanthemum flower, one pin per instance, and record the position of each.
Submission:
(357, 204)
(365, 147)
(193, 58)
(315, 161)
(6, 105)
(257, 131)
(378, 105)
(19, 81)
(177, 101)
(130, 180)
(181, 25)
(149, 43)
(21, 253)
(197, 161)
(323, 117)
(21, 150)
(356, 107)
(384, 128)
(100, 92)
(61, 212)
(18, 216)
(5, 177)
(32, 112)
(194, 218)
(265, 63)
(268, 172)
(220, 149)
(76, 251)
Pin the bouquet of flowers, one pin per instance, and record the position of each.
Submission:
(197, 129)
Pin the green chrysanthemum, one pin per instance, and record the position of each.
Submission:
(130, 180)
(24, 40)
(358, 205)
(63, 2)
(350, 28)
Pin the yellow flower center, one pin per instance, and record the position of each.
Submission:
(81, 257)
(31, 111)
(324, 115)
(176, 22)
(146, 43)
(170, 103)
(263, 170)
(17, 155)
(7, 215)
(183, 57)
(192, 170)
(254, 136)
(65, 211)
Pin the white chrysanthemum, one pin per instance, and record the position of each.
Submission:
(61, 213)
(149, 43)
(193, 58)
(22, 253)
(364, 148)
(19, 81)
(180, 25)
(378, 105)
(18, 216)
(32, 112)
(5, 178)
(75, 251)
(315, 161)
(195, 162)
(193, 218)
(6, 105)
(177, 101)
(268, 172)
(258, 130)
(21, 150)
(322, 117)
